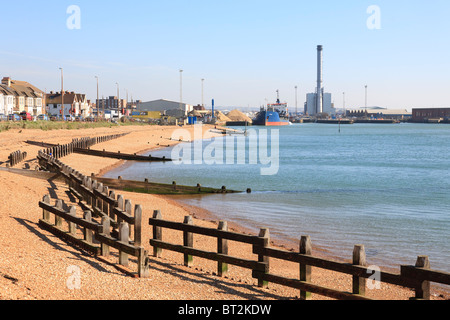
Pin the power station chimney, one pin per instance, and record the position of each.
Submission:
(319, 97)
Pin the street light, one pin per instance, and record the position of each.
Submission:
(366, 99)
(98, 102)
(296, 106)
(62, 91)
(203, 80)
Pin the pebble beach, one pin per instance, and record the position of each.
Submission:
(36, 265)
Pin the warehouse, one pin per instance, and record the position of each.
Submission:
(168, 108)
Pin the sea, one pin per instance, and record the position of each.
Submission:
(385, 186)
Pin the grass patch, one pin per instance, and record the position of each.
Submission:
(58, 125)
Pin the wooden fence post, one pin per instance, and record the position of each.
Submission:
(222, 247)
(138, 225)
(58, 219)
(88, 233)
(112, 195)
(265, 235)
(157, 234)
(423, 291)
(124, 236)
(120, 206)
(73, 226)
(143, 261)
(106, 230)
(188, 241)
(45, 213)
(359, 259)
(305, 270)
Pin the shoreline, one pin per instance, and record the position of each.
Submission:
(38, 274)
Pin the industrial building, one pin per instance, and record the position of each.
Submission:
(379, 113)
(431, 115)
(319, 102)
(168, 108)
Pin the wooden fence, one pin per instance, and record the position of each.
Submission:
(118, 227)
(416, 277)
(16, 157)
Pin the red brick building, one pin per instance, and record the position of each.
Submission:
(431, 115)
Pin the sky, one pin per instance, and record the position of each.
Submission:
(245, 50)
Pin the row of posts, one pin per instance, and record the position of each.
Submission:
(64, 150)
(108, 216)
(86, 143)
(16, 157)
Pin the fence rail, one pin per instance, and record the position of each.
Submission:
(416, 277)
(117, 222)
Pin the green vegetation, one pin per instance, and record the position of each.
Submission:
(57, 125)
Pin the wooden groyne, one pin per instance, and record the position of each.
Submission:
(83, 145)
(160, 188)
(16, 157)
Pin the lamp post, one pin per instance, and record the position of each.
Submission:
(296, 105)
(98, 101)
(203, 80)
(343, 103)
(118, 99)
(366, 100)
(62, 92)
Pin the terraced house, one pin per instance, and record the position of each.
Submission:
(71, 103)
(21, 96)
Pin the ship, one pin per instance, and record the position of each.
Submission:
(275, 114)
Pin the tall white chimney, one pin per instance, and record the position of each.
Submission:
(319, 102)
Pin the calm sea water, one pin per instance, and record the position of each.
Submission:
(384, 186)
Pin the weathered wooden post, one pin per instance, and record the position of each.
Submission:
(423, 291)
(124, 235)
(45, 213)
(138, 225)
(359, 259)
(188, 241)
(112, 195)
(106, 230)
(88, 234)
(120, 206)
(58, 219)
(143, 261)
(264, 234)
(72, 226)
(157, 234)
(222, 247)
(305, 270)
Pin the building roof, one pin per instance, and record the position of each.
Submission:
(21, 88)
(69, 98)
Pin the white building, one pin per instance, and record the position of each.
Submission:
(6, 100)
(311, 104)
(75, 104)
(169, 108)
(22, 96)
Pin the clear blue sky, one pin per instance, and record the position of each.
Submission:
(244, 49)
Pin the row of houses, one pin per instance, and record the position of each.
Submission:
(19, 96)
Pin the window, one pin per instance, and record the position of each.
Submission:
(38, 102)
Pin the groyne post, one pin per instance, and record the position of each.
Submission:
(305, 270)
(264, 234)
(359, 259)
(222, 248)
(157, 234)
(188, 241)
